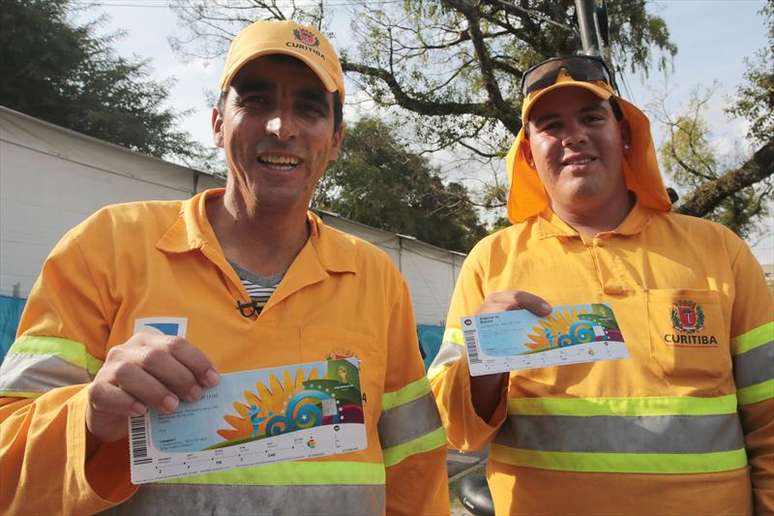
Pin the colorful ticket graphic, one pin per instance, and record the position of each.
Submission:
(254, 417)
(517, 339)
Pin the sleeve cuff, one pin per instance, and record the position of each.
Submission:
(466, 430)
(104, 479)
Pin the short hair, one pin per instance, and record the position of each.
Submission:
(616, 107)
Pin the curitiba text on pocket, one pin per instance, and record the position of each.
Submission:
(707, 340)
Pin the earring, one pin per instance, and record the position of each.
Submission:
(626, 147)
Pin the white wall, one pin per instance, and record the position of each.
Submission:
(51, 179)
(429, 271)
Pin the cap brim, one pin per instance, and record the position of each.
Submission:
(321, 73)
(599, 91)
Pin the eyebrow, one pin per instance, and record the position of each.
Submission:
(309, 94)
(316, 96)
(592, 108)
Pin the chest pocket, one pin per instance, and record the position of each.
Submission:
(326, 342)
(689, 335)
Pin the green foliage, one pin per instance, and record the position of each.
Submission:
(452, 66)
(755, 97)
(687, 155)
(451, 70)
(378, 182)
(689, 158)
(65, 74)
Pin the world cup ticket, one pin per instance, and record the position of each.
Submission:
(517, 339)
(254, 417)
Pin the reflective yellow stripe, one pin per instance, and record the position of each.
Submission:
(427, 442)
(622, 462)
(68, 350)
(647, 406)
(753, 338)
(20, 394)
(293, 473)
(453, 335)
(755, 393)
(408, 393)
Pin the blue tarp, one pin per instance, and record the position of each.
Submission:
(10, 313)
(430, 337)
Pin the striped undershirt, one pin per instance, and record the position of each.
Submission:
(259, 288)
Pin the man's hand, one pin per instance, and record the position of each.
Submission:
(147, 371)
(514, 300)
(485, 390)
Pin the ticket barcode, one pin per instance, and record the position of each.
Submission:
(470, 343)
(139, 438)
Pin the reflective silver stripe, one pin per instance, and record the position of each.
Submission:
(447, 354)
(186, 499)
(754, 366)
(623, 434)
(408, 421)
(21, 372)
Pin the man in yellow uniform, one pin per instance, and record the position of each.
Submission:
(685, 425)
(145, 305)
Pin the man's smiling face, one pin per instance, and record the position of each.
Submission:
(277, 129)
(577, 146)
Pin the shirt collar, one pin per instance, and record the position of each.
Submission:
(550, 225)
(191, 230)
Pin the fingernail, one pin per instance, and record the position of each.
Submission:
(211, 378)
(546, 307)
(170, 403)
(138, 409)
(195, 393)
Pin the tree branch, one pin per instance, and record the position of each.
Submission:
(505, 111)
(710, 194)
(423, 107)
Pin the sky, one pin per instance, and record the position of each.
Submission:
(712, 36)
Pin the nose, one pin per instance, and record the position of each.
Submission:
(574, 134)
(282, 125)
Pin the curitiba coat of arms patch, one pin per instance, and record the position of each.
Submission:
(306, 37)
(687, 316)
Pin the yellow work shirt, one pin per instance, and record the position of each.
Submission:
(159, 260)
(655, 434)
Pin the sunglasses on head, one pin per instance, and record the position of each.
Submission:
(580, 68)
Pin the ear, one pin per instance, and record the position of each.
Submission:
(338, 138)
(217, 127)
(626, 134)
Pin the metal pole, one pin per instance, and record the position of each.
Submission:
(585, 10)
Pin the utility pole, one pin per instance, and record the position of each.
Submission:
(586, 10)
(592, 23)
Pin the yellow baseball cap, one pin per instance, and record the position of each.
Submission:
(267, 37)
(527, 196)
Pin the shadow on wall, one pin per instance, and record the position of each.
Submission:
(10, 313)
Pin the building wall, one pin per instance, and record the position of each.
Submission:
(429, 271)
(51, 179)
